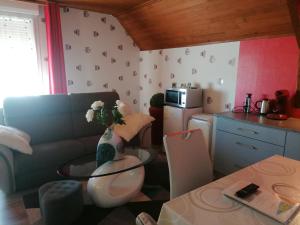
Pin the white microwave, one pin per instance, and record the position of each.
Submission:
(184, 97)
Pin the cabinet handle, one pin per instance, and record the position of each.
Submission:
(247, 130)
(252, 147)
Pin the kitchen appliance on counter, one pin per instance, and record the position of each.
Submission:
(282, 100)
(263, 106)
(247, 104)
(280, 106)
(184, 97)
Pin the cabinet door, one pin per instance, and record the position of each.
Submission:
(292, 146)
(173, 119)
(262, 133)
(234, 152)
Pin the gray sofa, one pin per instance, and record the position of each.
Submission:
(59, 132)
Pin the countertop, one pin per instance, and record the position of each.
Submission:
(291, 124)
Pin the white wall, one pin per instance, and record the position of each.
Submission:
(99, 55)
(205, 66)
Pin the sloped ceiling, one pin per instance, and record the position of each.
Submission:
(157, 24)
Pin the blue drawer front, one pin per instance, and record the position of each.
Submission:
(266, 134)
(233, 152)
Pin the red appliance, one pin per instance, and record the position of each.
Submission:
(280, 106)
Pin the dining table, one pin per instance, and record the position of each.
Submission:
(207, 205)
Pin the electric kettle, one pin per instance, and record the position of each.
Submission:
(263, 106)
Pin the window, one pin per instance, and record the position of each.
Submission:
(20, 72)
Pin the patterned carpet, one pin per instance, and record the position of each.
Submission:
(150, 201)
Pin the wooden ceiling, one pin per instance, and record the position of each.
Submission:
(157, 24)
(113, 7)
(175, 23)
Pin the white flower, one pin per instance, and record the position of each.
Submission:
(97, 104)
(123, 108)
(89, 115)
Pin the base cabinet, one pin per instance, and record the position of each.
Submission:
(238, 145)
(234, 152)
(292, 147)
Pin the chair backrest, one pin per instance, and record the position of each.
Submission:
(144, 219)
(189, 161)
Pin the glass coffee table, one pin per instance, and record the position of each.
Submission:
(113, 183)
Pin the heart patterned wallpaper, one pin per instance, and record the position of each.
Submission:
(99, 55)
(212, 67)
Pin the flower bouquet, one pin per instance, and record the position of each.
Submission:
(110, 145)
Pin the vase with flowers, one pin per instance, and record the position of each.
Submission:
(110, 145)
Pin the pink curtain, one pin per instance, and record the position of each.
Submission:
(57, 74)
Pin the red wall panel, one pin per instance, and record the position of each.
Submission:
(267, 65)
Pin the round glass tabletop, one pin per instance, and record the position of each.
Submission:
(84, 166)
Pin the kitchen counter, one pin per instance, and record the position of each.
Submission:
(291, 124)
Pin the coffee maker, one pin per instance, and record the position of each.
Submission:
(281, 103)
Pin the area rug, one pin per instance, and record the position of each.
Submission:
(93, 215)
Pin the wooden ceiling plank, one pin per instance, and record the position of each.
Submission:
(173, 20)
(292, 6)
(177, 23)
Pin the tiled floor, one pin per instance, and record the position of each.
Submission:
(12, 210)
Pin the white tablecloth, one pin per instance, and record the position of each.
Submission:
(207, 205)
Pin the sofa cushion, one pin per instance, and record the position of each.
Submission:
(133, 124)
(48, 155)
(90, 143)
(45, 118)
(80, 103)
(15, 139)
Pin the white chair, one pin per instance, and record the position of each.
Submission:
(190, 166)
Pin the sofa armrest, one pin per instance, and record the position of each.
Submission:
(7, 178)
(145, 136)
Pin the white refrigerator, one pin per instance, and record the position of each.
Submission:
(176, 119)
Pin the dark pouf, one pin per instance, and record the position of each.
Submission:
(157, 172)
(61, 202)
